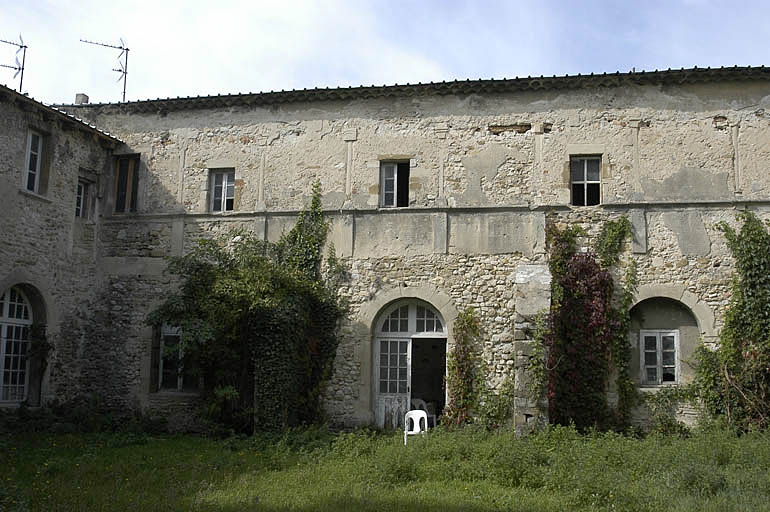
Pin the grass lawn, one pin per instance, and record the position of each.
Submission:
(442, 471)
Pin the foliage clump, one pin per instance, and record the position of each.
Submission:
(584, 339)
(260, 319)
(464, 370)
(734, 380)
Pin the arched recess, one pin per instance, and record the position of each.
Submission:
(23, 319)
(364, 330)
(664, 334)
(702, 312)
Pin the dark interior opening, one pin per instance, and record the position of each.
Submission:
(428, 371)
(402, 194)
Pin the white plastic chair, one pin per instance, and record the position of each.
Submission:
(418, 425)
(419, 403)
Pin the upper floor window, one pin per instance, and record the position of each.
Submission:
(222, 190)
(126, 183)
(658, 352)
(585, 180)
(82, 199)
(33, 169)
(394, 184)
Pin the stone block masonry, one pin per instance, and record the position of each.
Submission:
(481, 166)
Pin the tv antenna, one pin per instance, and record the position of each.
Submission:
(19, 67)
(123, 64)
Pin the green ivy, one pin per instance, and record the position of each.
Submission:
(260, 319)
(464, 370)
(582, 341)
(734, 381)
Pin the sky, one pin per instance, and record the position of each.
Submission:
(192, 47)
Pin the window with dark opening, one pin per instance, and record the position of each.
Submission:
(394, 184)
(126, 183)
(585, 179)
(222, 190)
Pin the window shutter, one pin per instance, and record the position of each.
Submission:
(155, 360)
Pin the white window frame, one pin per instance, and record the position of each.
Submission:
(585, 181)
(658, 334)
(38, 152)
(82, 199)
(228, 190)
(7, 323)
(389, 173)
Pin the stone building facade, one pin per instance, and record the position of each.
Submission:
(438, 196)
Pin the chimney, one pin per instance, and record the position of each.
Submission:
(81, 99)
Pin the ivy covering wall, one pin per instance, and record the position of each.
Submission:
(584, 335)
(734, 380)
(260, 319)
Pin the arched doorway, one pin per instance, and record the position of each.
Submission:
(16, 320)
(409, 360)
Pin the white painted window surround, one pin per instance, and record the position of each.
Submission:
(32, 164)
(585, 180)
(222, 189)
(659, 354)
(15, 325)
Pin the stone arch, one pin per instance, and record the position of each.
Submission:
(20, 342)
(700, 310)
(364, 329)
(38, 292)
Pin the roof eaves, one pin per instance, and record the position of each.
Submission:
(61, 113)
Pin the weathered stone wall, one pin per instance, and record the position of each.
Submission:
(485, 170)
(46, 249)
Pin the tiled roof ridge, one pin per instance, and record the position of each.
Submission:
(674, 76)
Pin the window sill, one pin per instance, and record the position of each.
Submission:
(654, 388)
(176, 393)
(35, 195)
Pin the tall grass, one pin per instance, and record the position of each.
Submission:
(311, 469)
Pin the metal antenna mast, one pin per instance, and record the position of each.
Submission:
(19, 67)
(123, 64)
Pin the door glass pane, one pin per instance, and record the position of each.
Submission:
(650, 358)
(392, 387)
(393, 374)
(669, 375)
(383, 386)
(383, 347)
(652, 375)
(650, 343)
(393, 359)
(402, 386)
(394, 346)
(668, 342)
(402, 360)
(668, 358)
(403, 347)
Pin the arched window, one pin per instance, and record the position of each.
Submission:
(15, 324)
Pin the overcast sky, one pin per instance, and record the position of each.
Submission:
(192, 47)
